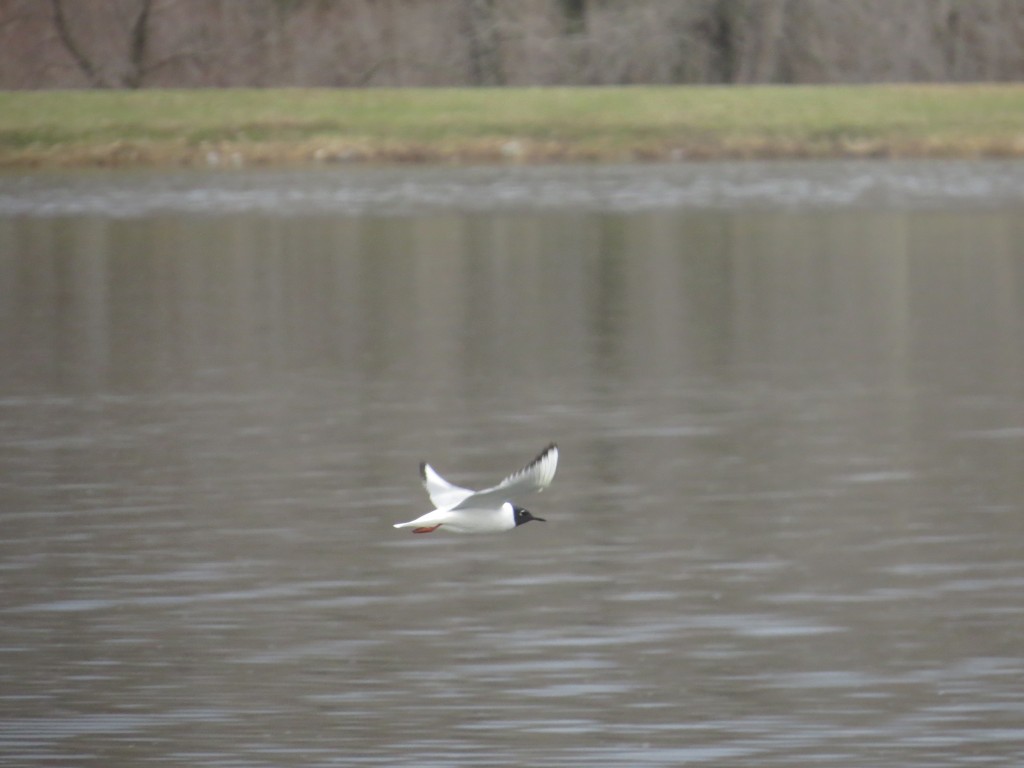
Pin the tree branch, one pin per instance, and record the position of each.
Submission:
(64, 33)
(137, 51)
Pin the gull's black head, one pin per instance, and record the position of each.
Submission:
(524, 516)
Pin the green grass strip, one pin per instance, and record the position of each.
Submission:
(288, 126)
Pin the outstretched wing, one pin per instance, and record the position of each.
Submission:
(535, 476)
(443, 495)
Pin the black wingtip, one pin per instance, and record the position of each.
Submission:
(423, 470)
(540, 456)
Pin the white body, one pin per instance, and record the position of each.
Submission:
(467, 520)
(461, 510)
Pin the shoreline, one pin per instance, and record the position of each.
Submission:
(131, 154)
(317, 127)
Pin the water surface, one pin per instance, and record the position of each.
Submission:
(786, 530)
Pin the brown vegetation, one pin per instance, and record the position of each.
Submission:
(257, 43)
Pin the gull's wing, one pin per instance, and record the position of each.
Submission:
(443, 494)
(535, 476)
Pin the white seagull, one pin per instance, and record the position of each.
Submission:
(491, 510)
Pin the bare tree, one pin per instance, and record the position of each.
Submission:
(67, 39)
(721, 31)
(138, 43)
(484, 42)
(574, 15)
(765, 30)
(133, 69)
(138, 37)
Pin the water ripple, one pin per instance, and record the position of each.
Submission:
(405, 191)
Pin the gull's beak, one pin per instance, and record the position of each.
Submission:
(541, 519)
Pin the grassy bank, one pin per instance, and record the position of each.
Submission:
(290, 126)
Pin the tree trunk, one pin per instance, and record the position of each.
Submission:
(85, 64)
(137, 52)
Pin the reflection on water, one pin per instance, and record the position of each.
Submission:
(787, 527)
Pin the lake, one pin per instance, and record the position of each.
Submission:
(787, 526)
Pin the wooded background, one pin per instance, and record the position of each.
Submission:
(219, 43)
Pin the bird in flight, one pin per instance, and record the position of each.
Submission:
(492, 510)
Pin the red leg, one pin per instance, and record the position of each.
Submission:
(426, 529)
